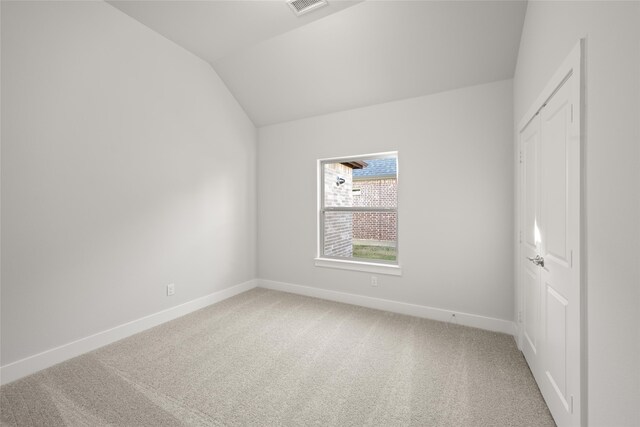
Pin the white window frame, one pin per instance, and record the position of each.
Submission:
(357, 264)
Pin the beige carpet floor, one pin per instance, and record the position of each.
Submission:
(267, 358)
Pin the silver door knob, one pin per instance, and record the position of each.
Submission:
(538, 260)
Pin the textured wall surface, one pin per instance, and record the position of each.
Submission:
(455, 197)
(126, 166)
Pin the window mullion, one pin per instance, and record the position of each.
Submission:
(356, 209)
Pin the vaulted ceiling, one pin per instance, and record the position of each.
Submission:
(281, 67)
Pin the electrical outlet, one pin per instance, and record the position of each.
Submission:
(374, 281)
(171, 289)
(453, 319)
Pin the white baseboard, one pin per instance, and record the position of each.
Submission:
(473, 320)
(37, 362)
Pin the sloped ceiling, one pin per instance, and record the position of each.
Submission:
(281, 67)
(213, 29)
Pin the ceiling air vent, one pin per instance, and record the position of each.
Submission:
(300, 7)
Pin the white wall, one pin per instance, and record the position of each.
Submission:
(455, 196)
(612, 179)
(126, 165)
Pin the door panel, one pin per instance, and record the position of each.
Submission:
(530, 164)
(556, 339)
(531, 310)
(556, 121)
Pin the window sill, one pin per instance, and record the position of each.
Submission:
(368, 267)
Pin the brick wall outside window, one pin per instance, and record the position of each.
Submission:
(371, 225)
(338, 226)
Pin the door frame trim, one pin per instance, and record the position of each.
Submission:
(572, 66)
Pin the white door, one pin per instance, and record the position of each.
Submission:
(530, 240)
(559, 228)
(550, 242)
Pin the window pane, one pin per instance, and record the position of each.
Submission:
(338, 234)
(361, 235)
(361, 183)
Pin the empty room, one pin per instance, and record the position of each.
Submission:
(320, 212)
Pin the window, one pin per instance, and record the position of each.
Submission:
(358, 213)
